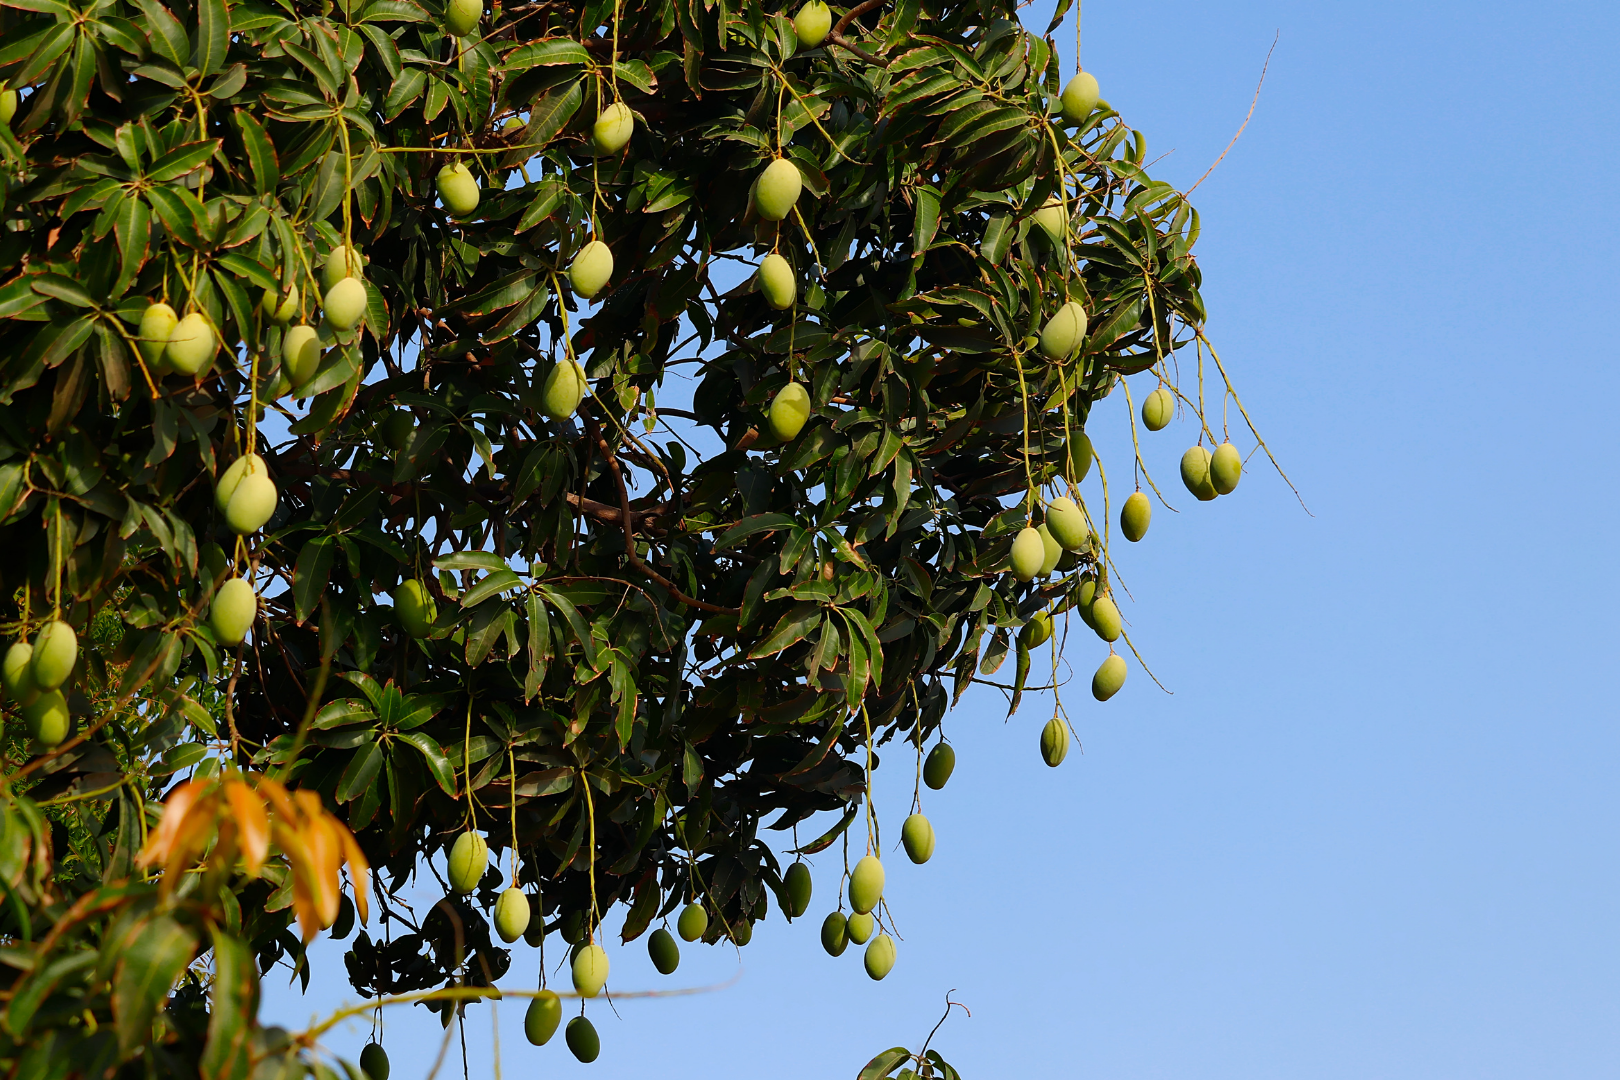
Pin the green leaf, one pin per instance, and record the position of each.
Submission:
(791, 628)
(181, 160)
(310, 575)
(360, 773)
(546, 52)
(164, 31)
(233, 1014)
(437, 763)
(470, 560)
(493, 585)
(749, 526)
(880, 1066)
(147, 968)
(213, 36)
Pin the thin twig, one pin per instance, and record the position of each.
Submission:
(1246, 119)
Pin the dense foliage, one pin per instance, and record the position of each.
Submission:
(615, 634)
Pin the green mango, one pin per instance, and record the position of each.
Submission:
(1028, 553)
(1053, 549)
(512, 914)
(469, 858)
(542, 1017)
(1064, 332)
(1054, 742)
(866, 884)
(582, 1039)
(8, 103)
(17, 674)
(1225, 468)
(1105, 618)
(301, 353)
(563, 390)
(458, 189)
(613, 129)
(742, 932)
(47, 719)
(461, 17)
(56, 650)
(157, 323)
(1135, 516)
(1080, 455)
(835, 934)
(341, 263)
(1054, 221)
(1109, 678)
(192, 345)
(776, 282)
(1085, 598)
(812, 23)
(790, 409)
(693, 922)
(917, 836)
(591, 269)
(233, 610)
(225, 486)
(666, 955)
(396, 430)
(280, 307)
(374, 1062)
(777, 189)
(1067, 523)
(415, 608)
(1036, 632)
(1157, 409)
(344, 304)
(252, 504)
(1195, 473)
(938, 765)
(573, 929)
(1079, 98)
(858, 927)
(797, 883)
(879, 959)
(590, 970)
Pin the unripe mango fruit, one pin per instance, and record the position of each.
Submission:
(300, 354)
(693, 922)
(1064, 332)
(590, 970)
(279, 308)
(374, 1062)
(879, 960)
(1080, 97)
(343, 262)
(1195, 473)
(192, 345)
(469, 858)
(866, 884)
(563, 390)
(395, 431)
(796, 881)
(56, 650)
(1067, 523)
(1225, 468)
(252, 504)
(458, 189)
(859, 926)
(1158, 408)
(231, 614)
(1109, 678)
(591, 269)
(742, 932)
(789, 411)
(1028, 552)
(613, 128)
(776, 282)
(583, 1042)
(917, 836)
(812, 23)
(415, 608)
(225, 487)
(461, 16)
(512, 914)
(1054, 742)
(17, 674)
(1053, 549)
(8, 104)
(543, 1015)
(1053, 220)
(1036, 632)
(665, 954)
(157, 323)
(938, 765)
(777, 189)
(47, 719)
(1088, 596)
(344, 304)
(1080, 455)
(835, 934)
(1134, 516)
(1105, 618)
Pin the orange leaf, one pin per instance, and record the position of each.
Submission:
(359, 870)
(252, 822)
(174, 811)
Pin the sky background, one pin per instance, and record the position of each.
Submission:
(1372, 832)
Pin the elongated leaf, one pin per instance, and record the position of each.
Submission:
(311, 574)
(437, 763)
(147, 968)
(233, 1010)
(213, 36)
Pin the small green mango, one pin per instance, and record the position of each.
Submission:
(879, 960)
(461, 17)
(835, 934)
(233, 610)
(693, 922)
(543, 1015)
(796, 881)
(1080, 455)
(225, 487)
(563, 390)
(591, 269)
(1134, 516)
(252, 504)
(777, 189)
(1064, 332)
(1109, 678)
(396, 430)
(157, 323)
(458, 189)
(344, 261)
(56, 650)
(17, 674)
(1028, 553)
(191, 346)
(859, 926)
(590, 970)
(1054, 742)
(812, 23)
(374, 1062)
(866, 884)
(344, 304)
(280, 307)
(1195, 473)
(512, 914)
(789, 411)
(613, 129)
(415, 608)
(1053, 551)
(8, 104)
(938, 765)
(776, 282)
(1036, 632)
(917, 837)
(300, 354)
(742, 932)
(1053, 220)
(47, 720)
(1087, 597)
(469, 858)
(1105, 618)
(573, 930)
(665, 954)
(1079, 98)
(1067, 523)
(582, 1039)
(1225, 468)
(1158, 408)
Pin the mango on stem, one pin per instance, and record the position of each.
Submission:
(1105, 618)
(342, 262)
(1053, 551)
(469, 858)
(512, 914)
(17, 674)
(300, 354)
(777, 189)
(879, 959)
(415, 608)
(542, 1017)
(866, 884)
(1054, 742)
(563, 390)
(917, 836)
(47, 720)
(1028, 553)
(56, 650)
(1157, 409)
(835, 934)
(1135, 515)
(693, 922)
(252, 504)
(374, 1062)
(1064, 332)
(582, 1040)
(157, 323)
(1109, 678)
(461, 16)
(796, 881)
(859, 926)
(591, 269)
(1067, 523)
(590, 970)
(665, 954)
(776, 282)
(1195, 473)
(812, 23)
(192, 345)
(344, 304)
(789, 411)
(233, 610)
(613, 128)
(938, 765)
(1079, 98)
(1225, 468)
(458, 189)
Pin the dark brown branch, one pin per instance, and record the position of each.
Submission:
(837, 34)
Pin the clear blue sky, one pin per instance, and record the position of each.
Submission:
(1372, 833)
